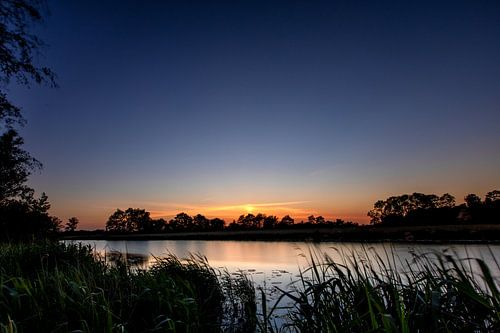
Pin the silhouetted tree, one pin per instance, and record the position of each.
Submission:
(377, 212)
(182, 221)
(71, 224)
(27, 219)
(342, 223)
(41, 204)
(154, 226)
(21, 214)
(311, 219)
(270, 222)
(320, 220)
(56, 223)
(286, 221)
(476, 211)
(491, 210)
(117, 222)
(446, 200)
(395, 209)
(201, 223)
(492, 197)
(472, 200)
(216, 224)
(131, 220)
(138, 219)
(234, 225)
(258, 220)
(18, 46)
(15, 166)
(246, 221)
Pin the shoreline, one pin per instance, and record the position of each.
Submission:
(460, 234)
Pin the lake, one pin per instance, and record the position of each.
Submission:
(279, 263)
(273, 265)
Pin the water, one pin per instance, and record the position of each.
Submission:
(270, 264)
(273, 265)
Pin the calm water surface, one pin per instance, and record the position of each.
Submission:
(280, 263)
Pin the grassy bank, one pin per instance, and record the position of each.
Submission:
(435, 292)
(50, 287)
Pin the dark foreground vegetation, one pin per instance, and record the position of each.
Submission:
(53, 287)
(432, 293)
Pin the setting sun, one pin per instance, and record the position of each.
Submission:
(249, 209)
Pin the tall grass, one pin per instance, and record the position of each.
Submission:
(432, 293)
(52, 287)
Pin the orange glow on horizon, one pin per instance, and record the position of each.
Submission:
(232, 212)
(95, 216)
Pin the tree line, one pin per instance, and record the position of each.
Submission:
(406, 209)
(430, 209)
(137, 220)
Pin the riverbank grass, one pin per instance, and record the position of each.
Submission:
(434, 292)
(55, 287)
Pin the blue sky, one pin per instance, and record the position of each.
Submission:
(283, 106)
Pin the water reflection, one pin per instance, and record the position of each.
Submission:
(272, 265)
(280, 263)
(139, 260)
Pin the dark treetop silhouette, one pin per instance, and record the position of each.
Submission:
(139, 221)
(404, 210)
(21, 214)
(17, 49)
(420, 209)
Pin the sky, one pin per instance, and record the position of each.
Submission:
(281, 107)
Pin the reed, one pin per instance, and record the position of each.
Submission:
(54, 287)
(434, 292)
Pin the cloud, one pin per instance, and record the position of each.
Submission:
(266, 204)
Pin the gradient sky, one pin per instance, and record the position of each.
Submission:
(282, 107)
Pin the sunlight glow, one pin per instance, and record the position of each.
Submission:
(296, 209)
(249, 209)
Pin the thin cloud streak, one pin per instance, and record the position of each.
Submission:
(244, 206)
